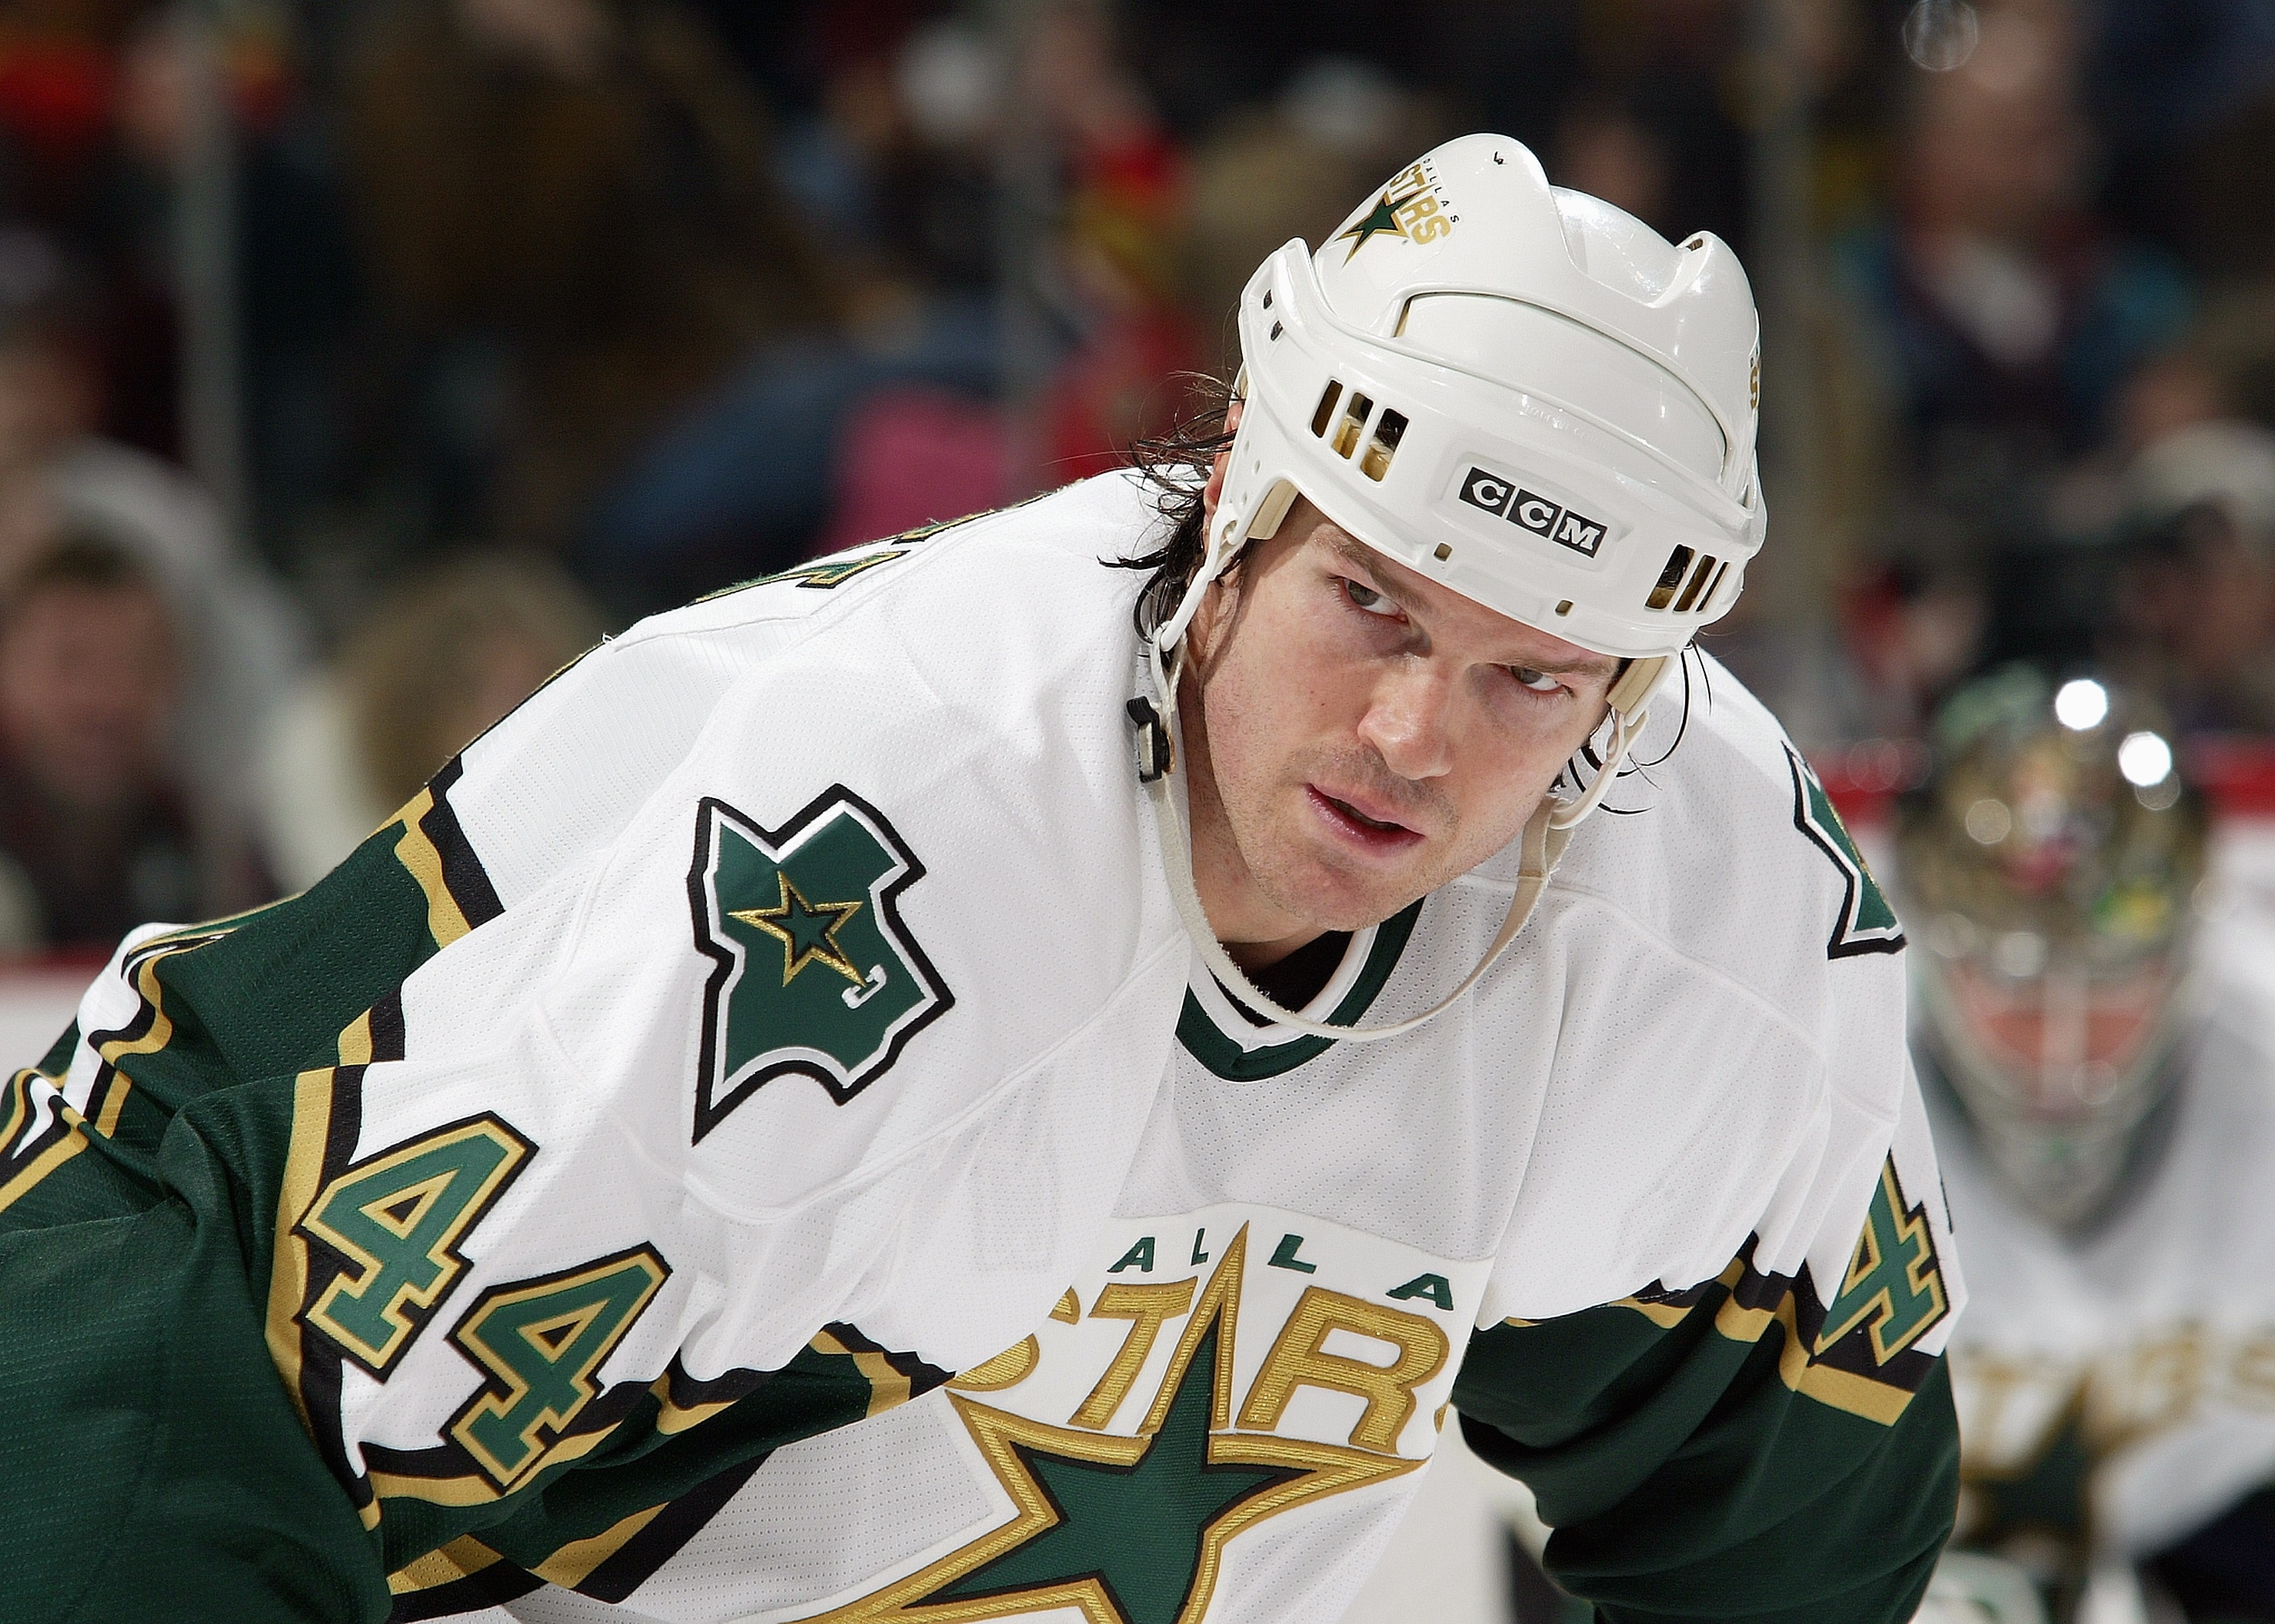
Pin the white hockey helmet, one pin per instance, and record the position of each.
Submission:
(1518, 390)
(1522, 392)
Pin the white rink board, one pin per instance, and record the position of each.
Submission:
(35, 1006)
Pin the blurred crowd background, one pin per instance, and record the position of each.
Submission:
(363, 361)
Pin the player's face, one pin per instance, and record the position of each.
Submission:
(1357, 735)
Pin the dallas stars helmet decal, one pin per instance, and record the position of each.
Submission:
(814, 971)
(1866, 924)
(1384, 217)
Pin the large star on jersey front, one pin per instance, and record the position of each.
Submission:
(1383, 217)
(1125, 1530)
(807, 931)
(2050, 1494)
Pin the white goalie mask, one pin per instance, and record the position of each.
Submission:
(1518, 391)
(2053, 861)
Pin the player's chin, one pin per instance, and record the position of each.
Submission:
(1334, 894)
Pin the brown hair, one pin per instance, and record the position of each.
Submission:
(1176, 462)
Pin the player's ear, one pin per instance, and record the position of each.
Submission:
(1215, 489)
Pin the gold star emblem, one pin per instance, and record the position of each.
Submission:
(1382, 217)
(1125, 1530)
(807, 931)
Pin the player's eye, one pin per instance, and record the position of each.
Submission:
(1366, 597)
(1539, 681)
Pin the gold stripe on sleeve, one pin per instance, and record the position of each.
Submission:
(415, 852)
(570, 1565)
(288, 1267)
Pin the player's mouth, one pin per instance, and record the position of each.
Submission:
(1367, 828)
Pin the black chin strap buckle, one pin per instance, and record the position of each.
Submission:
(1156, 752)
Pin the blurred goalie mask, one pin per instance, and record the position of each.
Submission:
(1518, 391)
(2053, 861)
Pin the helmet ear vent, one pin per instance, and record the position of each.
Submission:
(1354, 424)
(1276, 330)
(1670, 579)
(1699, 579)
(1388, 431)
(1381, 446)
(1694, 583)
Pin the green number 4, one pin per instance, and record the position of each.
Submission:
(1893, 1281)
(539, 1342)
(397, 1219)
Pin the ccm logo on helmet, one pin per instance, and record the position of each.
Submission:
(1531, 510)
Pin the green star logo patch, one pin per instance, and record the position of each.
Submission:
(1865, 924)
(813, 970)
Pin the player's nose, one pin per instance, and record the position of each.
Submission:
(1408, 718)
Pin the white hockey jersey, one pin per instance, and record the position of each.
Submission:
(2119, 1388)
(783, 1011)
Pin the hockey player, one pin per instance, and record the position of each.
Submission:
(2104, 1103)
(586, 1196)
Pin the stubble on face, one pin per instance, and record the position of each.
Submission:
(1301, 824)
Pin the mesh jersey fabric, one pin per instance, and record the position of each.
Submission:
(643, 1179)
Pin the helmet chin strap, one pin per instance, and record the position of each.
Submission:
(1540, 848)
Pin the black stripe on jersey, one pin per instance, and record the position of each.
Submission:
(683, 1517)
(150, 1030)
(148, 1011)
(1657, 1296)
(1768, 1294)
(99, 1100)
(1755, 1291)
(463, 875)
(387, 1032)
(1746, 1304)
(657, 1543)
(20, 1147)
(1853, 1353)
(319, 1357)
(498, 1583)
(684, 1478)
(922, 1378)
(449, 1462)
(1795, 1300)
(682, 1391)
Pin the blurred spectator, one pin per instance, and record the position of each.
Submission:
(94, 837)
(1289, 168)
(910, 456)
(431, 668)
(1604, 150)
(895, 177)
(589, 181)
(2005, 315)
(1907, 627)
(2224, 367)
(900, 421)
(239, 639)
(2196, 607)
(1119, 254)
